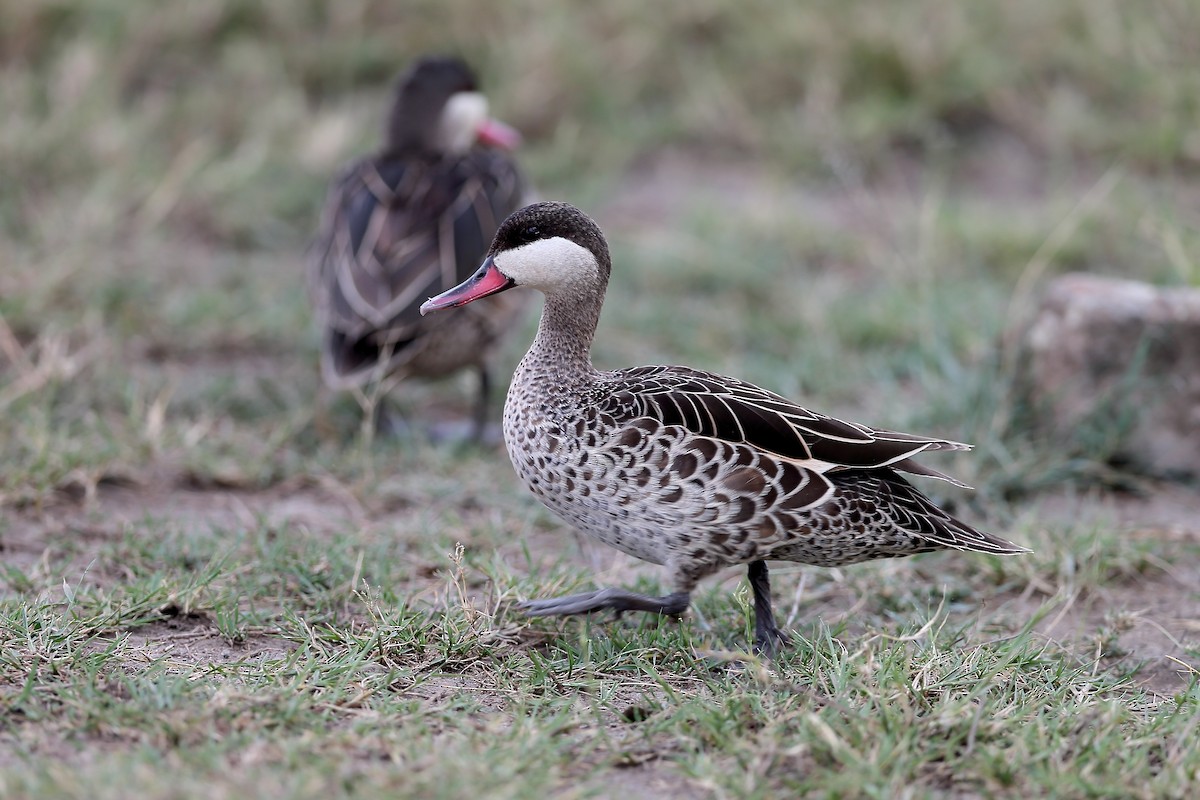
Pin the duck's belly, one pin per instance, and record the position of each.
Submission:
(593, 499)
(630, 498)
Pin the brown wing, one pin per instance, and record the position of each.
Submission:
(735, 411)
(394, 233)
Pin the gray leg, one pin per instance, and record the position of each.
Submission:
(388, 420)
(481, 404)
(767, 636)
(616, 600)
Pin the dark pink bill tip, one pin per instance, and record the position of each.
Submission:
(486, 280)
(495, 133)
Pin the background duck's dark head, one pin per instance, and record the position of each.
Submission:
(421, 95)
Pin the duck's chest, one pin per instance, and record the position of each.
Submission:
(557, 447)
(550, 446)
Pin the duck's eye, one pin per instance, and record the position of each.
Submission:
(531, 233)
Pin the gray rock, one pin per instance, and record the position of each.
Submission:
(1107, 356)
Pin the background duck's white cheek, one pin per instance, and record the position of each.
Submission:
(549, 264)
(461, 118)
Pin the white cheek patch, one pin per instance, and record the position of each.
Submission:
(462, 115)
(549, 264)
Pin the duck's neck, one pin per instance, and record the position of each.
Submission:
(561, 351)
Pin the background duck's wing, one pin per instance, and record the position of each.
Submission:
(735, 411)
(394, 232)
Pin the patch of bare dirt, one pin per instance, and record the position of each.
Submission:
(193, 639)
(1168, 511)
(646, 775)
(62, 539)
(1149, 626)
(1151, 620)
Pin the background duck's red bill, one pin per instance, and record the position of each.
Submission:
(486, 280)
(495, 133)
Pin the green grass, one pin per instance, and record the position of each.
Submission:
(212, 585)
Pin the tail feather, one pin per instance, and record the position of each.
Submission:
(914, 468)
(917, 513)
(903, 506)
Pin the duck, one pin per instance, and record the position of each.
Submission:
(412, 219)
(684, 468)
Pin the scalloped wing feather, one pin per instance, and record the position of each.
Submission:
(731, 410)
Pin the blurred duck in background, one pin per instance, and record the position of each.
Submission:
(412, 221)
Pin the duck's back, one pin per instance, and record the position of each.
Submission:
(393, 232)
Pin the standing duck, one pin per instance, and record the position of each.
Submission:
(416, 218)
(688, 469)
